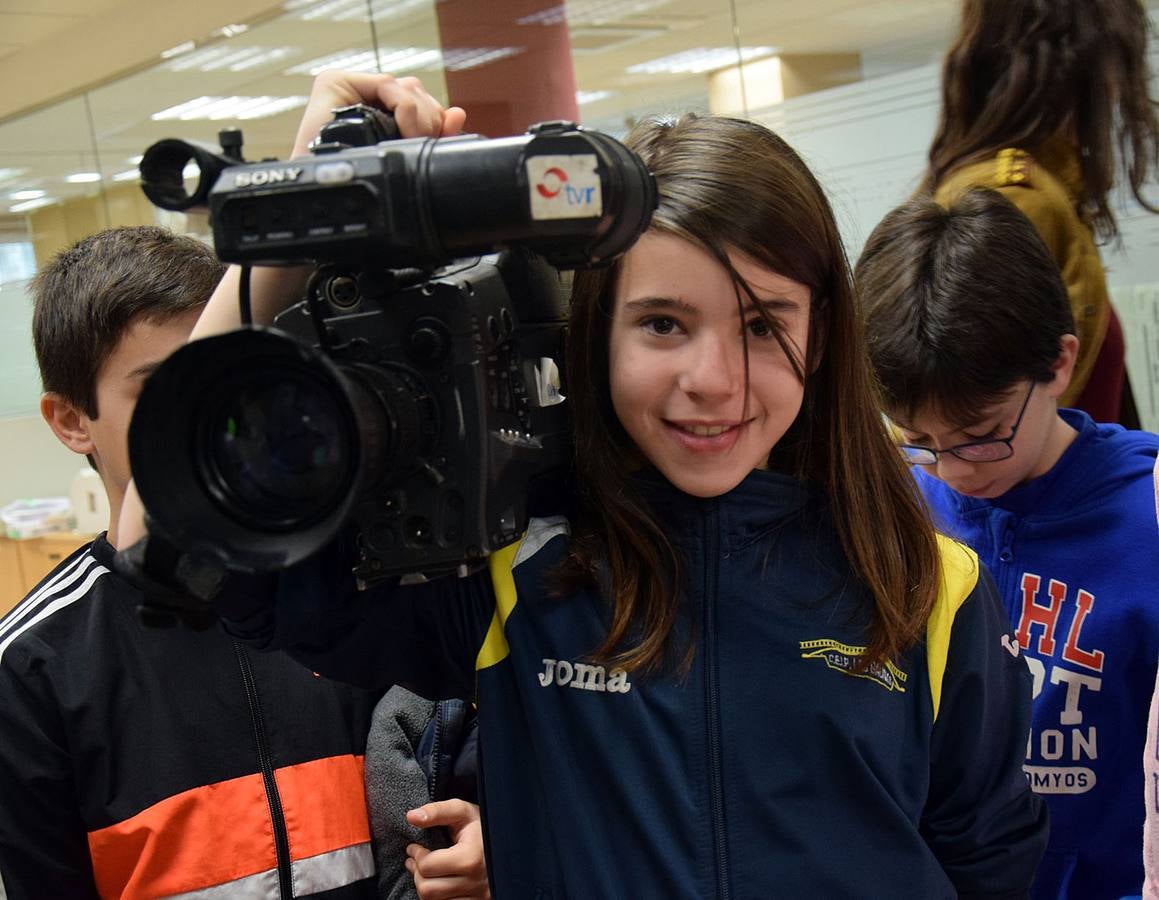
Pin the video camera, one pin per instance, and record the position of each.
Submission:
(415, 392)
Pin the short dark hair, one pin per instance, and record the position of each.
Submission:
(960, 304)
(89, 294)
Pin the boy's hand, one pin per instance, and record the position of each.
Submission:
(457, 871)
(416, 112)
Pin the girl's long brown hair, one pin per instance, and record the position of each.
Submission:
(729, 184)
(1021, 72)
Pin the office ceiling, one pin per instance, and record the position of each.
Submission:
(41, 147)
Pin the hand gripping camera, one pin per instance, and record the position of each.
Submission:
(415, 393)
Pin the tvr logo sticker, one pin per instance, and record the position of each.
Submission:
(564, 186)
(553, 181)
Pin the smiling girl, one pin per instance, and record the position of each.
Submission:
(747, 666)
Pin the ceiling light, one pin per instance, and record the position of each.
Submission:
(135, 160)
(462, 58)
(215, 108)
(582, 97)
(9, 174)
(178, 50)
(235, 59)
(352, 10)
(83, 177)
(127, 175)
(29, 205)
(232, 30)
(591, 12)
(700, 59)
(395, 60)
(26, 195)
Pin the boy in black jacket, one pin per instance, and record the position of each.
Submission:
(139, 761)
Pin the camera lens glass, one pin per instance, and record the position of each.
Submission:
(278, 453)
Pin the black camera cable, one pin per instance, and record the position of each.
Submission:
(245, 309)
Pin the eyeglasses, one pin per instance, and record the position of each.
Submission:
(989, 450)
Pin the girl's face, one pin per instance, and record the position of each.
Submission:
(677, 368)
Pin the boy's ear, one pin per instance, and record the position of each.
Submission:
(68, 423)
(1063, 365)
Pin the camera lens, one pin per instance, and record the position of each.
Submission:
(276, 453)
(247, 445)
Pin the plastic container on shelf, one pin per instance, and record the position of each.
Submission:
(90, 503)
(32, 518)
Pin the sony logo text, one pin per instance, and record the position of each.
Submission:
(583, 676)
(267, 176)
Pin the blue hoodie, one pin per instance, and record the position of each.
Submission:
(1075, 555)
(771, 769)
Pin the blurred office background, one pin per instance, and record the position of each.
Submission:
(87, 85)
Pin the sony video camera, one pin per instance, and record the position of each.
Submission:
(415, 393)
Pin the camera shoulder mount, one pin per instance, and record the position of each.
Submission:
(177, 586)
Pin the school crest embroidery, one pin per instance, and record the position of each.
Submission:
(843, 658)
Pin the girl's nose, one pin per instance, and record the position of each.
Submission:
(714, 368)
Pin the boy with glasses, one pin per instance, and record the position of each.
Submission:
(971, 334)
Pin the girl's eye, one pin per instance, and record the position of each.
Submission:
(660, 325)
(760, 327)
(992, 433)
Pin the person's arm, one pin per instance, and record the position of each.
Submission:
(1151, 778)
(982, 821)
(43, 843)
(423, 636)
(1151, 801)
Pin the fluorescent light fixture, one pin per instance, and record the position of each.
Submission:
(353, 10)
(29, 205)
(591, 12)
(83, 177)
(398, 60)
(135, 160)
(232, 30)
(26, 195)
(698, 60)
(127, 175)
(178, 50)
(395, 60)
(582, 97)
(215, 108)
(462, 58)
(235, 59)
(9, 174)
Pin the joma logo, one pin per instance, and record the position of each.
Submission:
(267, 176)
(583, 676)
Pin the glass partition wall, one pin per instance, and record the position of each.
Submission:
(71, 169)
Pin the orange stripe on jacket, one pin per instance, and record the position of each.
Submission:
(217, 833)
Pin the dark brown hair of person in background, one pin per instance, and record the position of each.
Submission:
(1022, 71)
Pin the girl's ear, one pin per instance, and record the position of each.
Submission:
(68, 423)
(1063, 365)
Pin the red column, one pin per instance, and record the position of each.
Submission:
(533, 84)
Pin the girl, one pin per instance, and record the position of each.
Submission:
(1044, 100)
(747, 667)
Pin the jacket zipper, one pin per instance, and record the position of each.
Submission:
(712, 702)
(273, 798)
(436, 749)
